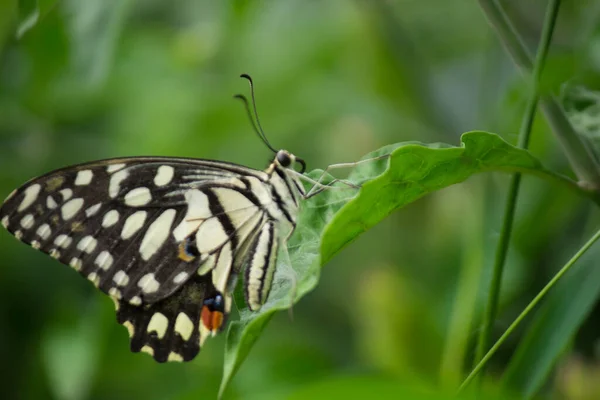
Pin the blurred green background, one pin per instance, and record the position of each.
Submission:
(397, 309)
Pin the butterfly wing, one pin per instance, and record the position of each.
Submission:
(160, 235)
(121, 223)
(171, 329)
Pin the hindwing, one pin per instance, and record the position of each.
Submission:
(172, 329)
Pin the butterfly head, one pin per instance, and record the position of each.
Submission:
(286, 159)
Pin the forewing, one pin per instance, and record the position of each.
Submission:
(124, 223)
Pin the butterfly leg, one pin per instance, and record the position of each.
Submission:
(318, 187)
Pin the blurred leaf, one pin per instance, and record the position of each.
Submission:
(71, 354)
(95, 27)
(368, 387)
(29, 13)
(554, 326)
(8, 12)
(414, 170)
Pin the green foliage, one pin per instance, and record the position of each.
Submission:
(398, 311)
(334, 219)
(554, 327)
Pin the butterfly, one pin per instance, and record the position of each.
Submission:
(166, 238)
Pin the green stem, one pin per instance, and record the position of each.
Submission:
(528, 309)
(511, 200)
(577, 152)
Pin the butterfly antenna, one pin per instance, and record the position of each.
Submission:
(254, 127)
(260, 128)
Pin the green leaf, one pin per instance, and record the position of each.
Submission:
(554, 327)
(334, 218)
(416, 170)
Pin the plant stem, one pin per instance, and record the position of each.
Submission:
(511, 199)
(579, 155)
(528, 309)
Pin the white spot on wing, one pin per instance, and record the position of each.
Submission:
(75, 263)
(121, 278)
(114, 292)
(135, 301)
(148, 349)
(197, 211)
(207, 264)
(181, 277)
(27, 221)
(5, 221)
(66, 194)
(133, 224)
(71, 207)
(51, 203)
(35, 244)
(54, 253)
(164, 175)
(220, 274)
(129, 327)
(94, 278)
(110, 218)
(114, 168)
(115, 182)
(184, 326)
(174, 357)
(244, 214)
(84, 177)
(87, 244)
(44, 231)
(31, 194)
(18, 234)
(138, 197)
(104, 260)
(63, 241)
(210, 236)
(157, 234)
(148, 283)
(92, 210)
(159, 324)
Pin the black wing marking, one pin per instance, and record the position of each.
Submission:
(128, 224)
(172, 329)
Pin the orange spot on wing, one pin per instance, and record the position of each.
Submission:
(217, 320)
(183, 255)
(212, 320)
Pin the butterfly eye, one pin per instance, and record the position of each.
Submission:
(283, 158)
